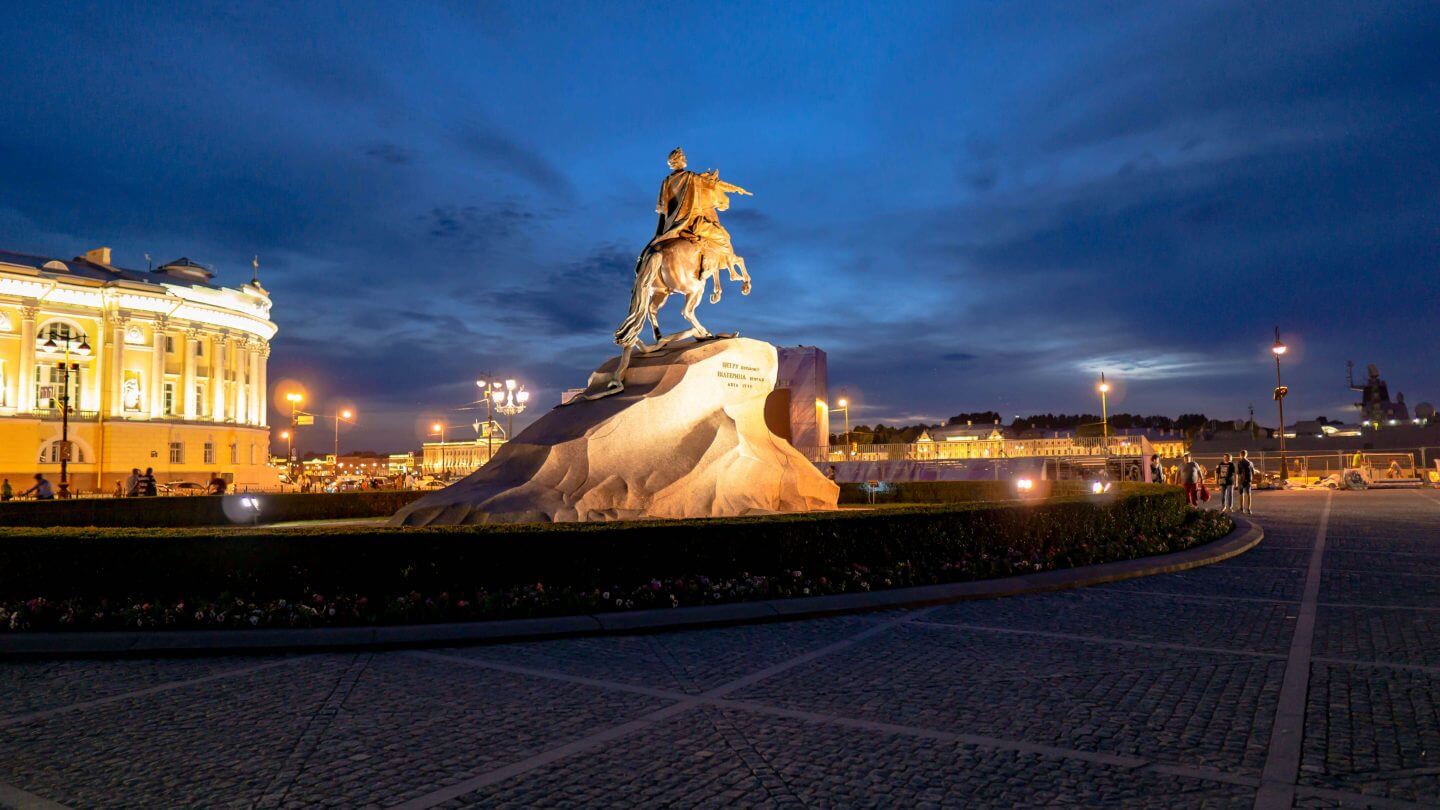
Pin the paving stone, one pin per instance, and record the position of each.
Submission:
(691, 661)
(1283, 584)
(1263, 556)
(410, 726)
(712, 757)
(1116, 614)
(1382, 588)
(1396, 635)
(32, 686)
(1382, 561)
(1373, 730)
(214, 744)
(1173, 706)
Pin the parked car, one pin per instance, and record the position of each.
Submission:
(182, 488)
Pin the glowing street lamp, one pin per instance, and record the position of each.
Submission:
(510, 400)
(1104, 388)
(843, 405)
(1280, 391)
(439, 427)
(289, 446)
(346, 415)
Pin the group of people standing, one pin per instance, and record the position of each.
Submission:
(138, 484)
(1233, 477)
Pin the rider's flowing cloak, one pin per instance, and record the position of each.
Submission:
(687, 205)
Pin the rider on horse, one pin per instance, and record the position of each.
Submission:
(687, 207)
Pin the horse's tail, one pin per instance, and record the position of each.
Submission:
(647, 272)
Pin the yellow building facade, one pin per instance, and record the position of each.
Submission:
(163, 368)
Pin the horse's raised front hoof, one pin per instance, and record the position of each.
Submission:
(745, 288)
(715, 297)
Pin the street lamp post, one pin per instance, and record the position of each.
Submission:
(294, 399)
(1280, 391)
(1104, 389)
(83, 350)
(489, 418)
(289, 447)
(439, 427)
(344, 416)
(510, 400)
(843, 405)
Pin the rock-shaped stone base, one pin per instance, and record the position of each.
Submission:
(686, 438)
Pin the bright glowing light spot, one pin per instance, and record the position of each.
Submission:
(1024, 485)
(1279, 349)
(844, 403)
(1097, 488)
(345, 414)
(1104, 388)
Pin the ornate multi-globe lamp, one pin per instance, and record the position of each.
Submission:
(509, 399)
(51, 347)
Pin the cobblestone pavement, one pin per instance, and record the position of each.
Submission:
(1304, 673)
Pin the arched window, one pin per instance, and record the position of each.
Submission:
(50, 452)
(58, 331)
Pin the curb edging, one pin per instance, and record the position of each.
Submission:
(1246, 535)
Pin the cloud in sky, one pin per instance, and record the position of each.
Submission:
(969, 206)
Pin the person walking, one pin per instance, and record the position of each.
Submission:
(132, 483)
(1225, 480)
(1244, 480)
(146, 484)
(217, 484)
(1190, 478)
(1157, 473)
(6, 493)
(42, 489)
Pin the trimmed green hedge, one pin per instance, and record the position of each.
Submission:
(959, 491)
(980, 540)
(203, 510)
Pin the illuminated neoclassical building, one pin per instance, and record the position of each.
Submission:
(166, 369)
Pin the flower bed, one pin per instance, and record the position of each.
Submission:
(244, 579)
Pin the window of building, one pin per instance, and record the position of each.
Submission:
(50, 452)
(50, 385)
(4, 386)
(169, 344)
(58, 331)
(169, 395)
(252, 453)
(234, 453)
(177, 453)
(200, 399)
(209, 452)
(199, 349)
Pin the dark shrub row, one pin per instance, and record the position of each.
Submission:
(203, 510)
(957, 491)
(978, 540)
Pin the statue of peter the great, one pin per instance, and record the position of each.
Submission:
(690, 245)
(688, 207)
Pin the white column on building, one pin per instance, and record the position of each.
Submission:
(117, 365)
(217, 378)
(25, 374)
(252, 413)
(263, 392)
(157, 370)
(242, 382)
(187, 379)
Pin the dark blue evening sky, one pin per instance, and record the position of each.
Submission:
(967, 205)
